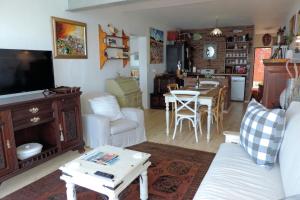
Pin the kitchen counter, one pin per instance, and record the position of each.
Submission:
(230, 75)
(222, 74)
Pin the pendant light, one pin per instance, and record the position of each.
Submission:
(216, 32)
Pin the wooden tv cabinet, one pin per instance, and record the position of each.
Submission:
(53, 121)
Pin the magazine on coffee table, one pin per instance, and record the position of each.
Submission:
(102, 158)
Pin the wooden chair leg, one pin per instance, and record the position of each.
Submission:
(200, 125)
(217, 121)
(221, 123)
(172, 118)
(190, 126)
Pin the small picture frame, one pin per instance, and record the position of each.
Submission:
(69, 38)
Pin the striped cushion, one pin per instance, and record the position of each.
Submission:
(261, 133)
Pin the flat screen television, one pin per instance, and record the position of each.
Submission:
(25, 71)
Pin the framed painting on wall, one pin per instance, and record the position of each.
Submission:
(69, 38)
(156, 46)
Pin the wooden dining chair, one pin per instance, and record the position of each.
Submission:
(186, 107)
(172, 86)
(217, 109)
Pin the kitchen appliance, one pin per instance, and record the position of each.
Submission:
(237, 88)
(207, 72)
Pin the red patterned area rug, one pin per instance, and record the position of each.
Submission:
(175, 174)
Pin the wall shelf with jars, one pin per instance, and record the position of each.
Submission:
(237, 54)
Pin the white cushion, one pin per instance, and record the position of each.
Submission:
(106, 105)
(289, 155)
(122, 125)
(233, 175)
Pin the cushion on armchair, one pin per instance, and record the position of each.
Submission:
(106, 105)
(122, 125)
(261, 133)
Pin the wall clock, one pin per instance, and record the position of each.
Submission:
(210, 51)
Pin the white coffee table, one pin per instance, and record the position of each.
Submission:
(129, 166)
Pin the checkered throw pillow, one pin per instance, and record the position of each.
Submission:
(261, 133)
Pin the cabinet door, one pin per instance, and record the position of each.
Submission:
(7, 145)
(70, 123)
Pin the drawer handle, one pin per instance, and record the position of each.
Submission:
(34, 110)
(35, 119)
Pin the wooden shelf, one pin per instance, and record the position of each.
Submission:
(118, 37)
(233, 65)
(239, 42)
(123, 48)
(117, 58)
(47, 153)
(236, 49)
(275, 61)
(103, 47)
(235, 57)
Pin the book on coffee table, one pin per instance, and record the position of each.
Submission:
(102, 158)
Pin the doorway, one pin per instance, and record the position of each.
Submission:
(260, 54)
(139, 65)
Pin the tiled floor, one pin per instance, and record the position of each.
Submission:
(155, 129)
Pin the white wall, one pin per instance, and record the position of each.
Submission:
(27, 25)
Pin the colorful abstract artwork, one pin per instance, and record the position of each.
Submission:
(69, 38)
(156, 46)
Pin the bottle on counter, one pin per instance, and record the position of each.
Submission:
(197, 83)
(178, 71)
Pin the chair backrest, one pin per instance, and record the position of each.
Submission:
(215, 83)
(172, 86)
(221, 98)
(186, 100)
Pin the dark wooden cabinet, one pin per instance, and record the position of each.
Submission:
(275, 81)
(157, 99)
(70, 122)
(53, 121)
(7, 150)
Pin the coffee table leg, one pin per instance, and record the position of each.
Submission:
(71, 192)
(113, 197)
(144, 186)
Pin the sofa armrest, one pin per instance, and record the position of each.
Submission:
(96, 130)
(232, 137)
(134, 114)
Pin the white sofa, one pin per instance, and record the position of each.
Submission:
(98, 130)
(234, 176)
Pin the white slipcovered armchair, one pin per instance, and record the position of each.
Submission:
(99, 130)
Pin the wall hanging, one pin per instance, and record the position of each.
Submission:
(69, 38)
(156, 46)
(112, 46)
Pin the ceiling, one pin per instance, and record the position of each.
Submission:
(266, 15)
